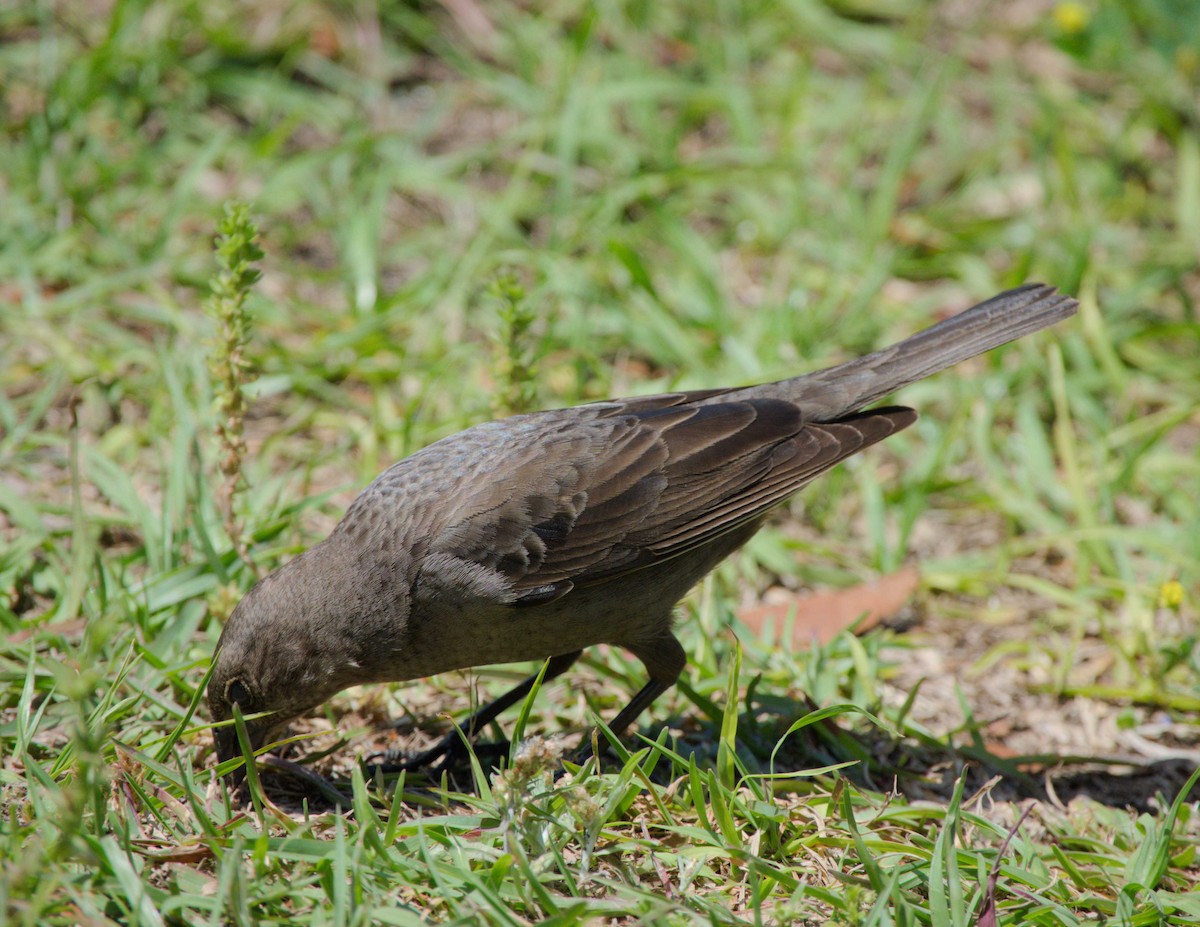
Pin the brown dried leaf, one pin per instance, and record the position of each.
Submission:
(820, 616)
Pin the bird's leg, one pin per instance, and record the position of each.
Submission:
(450, 747)
(664, 660)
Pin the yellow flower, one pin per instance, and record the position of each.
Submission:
(1170, 594)
(1072, 17)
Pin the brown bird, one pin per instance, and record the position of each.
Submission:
(539, 535)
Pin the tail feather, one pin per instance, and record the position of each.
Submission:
(829, 394)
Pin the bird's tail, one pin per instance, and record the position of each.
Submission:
(837, 391)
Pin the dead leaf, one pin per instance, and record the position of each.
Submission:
(820, 616)
(178, 853)
(72, 628)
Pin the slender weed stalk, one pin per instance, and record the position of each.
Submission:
(237, 252)
(516, 353)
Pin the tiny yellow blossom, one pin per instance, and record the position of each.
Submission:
(1170, 594)
(1072, 17)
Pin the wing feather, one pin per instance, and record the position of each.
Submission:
(591, 494)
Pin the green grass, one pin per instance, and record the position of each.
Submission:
(671, 196)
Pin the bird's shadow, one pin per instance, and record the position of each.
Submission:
(924, 768)
(919, 768)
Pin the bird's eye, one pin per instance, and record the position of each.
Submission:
(237, 694)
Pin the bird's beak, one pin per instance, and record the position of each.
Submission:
(228, 748)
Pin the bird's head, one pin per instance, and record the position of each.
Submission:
(283, 651)
(266, 673)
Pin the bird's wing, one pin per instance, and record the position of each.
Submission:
(564, 499)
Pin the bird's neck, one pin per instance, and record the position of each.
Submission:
(356, 603)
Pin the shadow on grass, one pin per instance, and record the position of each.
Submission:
(918, 768)
(923, 768)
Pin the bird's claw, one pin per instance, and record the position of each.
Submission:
(431, 762)
(444, 756)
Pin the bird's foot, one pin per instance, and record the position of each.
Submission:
(446, 755)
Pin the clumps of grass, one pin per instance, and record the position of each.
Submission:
(516, 355)
(237, 252)
(530, 776)
(540, 817)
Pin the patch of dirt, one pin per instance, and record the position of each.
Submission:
(995, 713)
